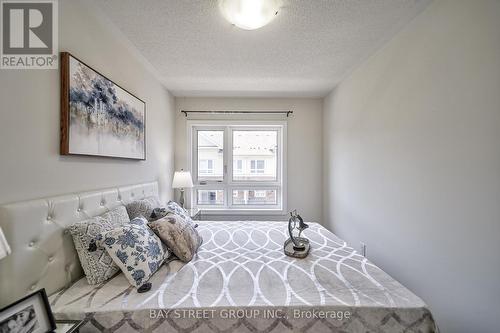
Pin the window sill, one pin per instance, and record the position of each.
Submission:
(245, 212)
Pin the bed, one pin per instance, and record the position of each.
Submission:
(240, 280)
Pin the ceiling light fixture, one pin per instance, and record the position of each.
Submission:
(249, 14)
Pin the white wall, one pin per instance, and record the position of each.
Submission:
(29, 118)
(304, 165)
(412, 161)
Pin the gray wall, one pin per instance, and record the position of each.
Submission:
(304, 167)
(29, 117)
(412, 161)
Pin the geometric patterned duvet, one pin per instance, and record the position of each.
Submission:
(241, 281)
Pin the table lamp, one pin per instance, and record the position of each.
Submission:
(182, 180)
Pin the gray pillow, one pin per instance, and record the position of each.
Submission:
(97, 265)
(178, 234)
(143, 207)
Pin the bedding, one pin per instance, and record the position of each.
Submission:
(178, 234)
(143, 207)
(97, 265)
(241, 281)
(175, 208)
(134, 248)
(158, 213)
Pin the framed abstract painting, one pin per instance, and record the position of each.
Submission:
(98, 117)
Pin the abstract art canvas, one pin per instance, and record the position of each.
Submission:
(98, 117)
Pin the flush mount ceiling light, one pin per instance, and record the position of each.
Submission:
(249, 14)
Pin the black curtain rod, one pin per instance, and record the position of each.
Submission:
(288, 113)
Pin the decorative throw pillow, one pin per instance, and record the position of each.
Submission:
(158, 213)
(142, 207)
(175, 208)
(136, 249)
(97, 265)
(179, 235)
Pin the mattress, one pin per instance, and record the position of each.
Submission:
(241, 281)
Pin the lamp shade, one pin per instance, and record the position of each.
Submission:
(249, 14)
(182, 179)
(4, 246)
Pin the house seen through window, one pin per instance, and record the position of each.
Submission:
(237, 167)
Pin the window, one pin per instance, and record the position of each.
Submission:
(238, 166)
(206, 167)
(254, 197)
(211, 198)
(257, 166)
(210, 151)
(259, 194)
(259, 149)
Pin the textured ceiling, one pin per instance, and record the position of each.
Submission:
(305, 51)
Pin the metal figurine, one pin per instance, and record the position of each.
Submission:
(296, 246)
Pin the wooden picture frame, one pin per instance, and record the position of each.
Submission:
(29, 314)
(99, 117)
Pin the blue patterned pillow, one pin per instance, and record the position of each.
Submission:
(136, 249)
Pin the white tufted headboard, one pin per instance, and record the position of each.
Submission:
(43, 254)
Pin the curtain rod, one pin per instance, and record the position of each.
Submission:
(288, 113)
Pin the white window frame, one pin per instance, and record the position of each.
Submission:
(228, 184)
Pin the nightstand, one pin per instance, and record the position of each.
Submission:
(68, 326)
(195, 213)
